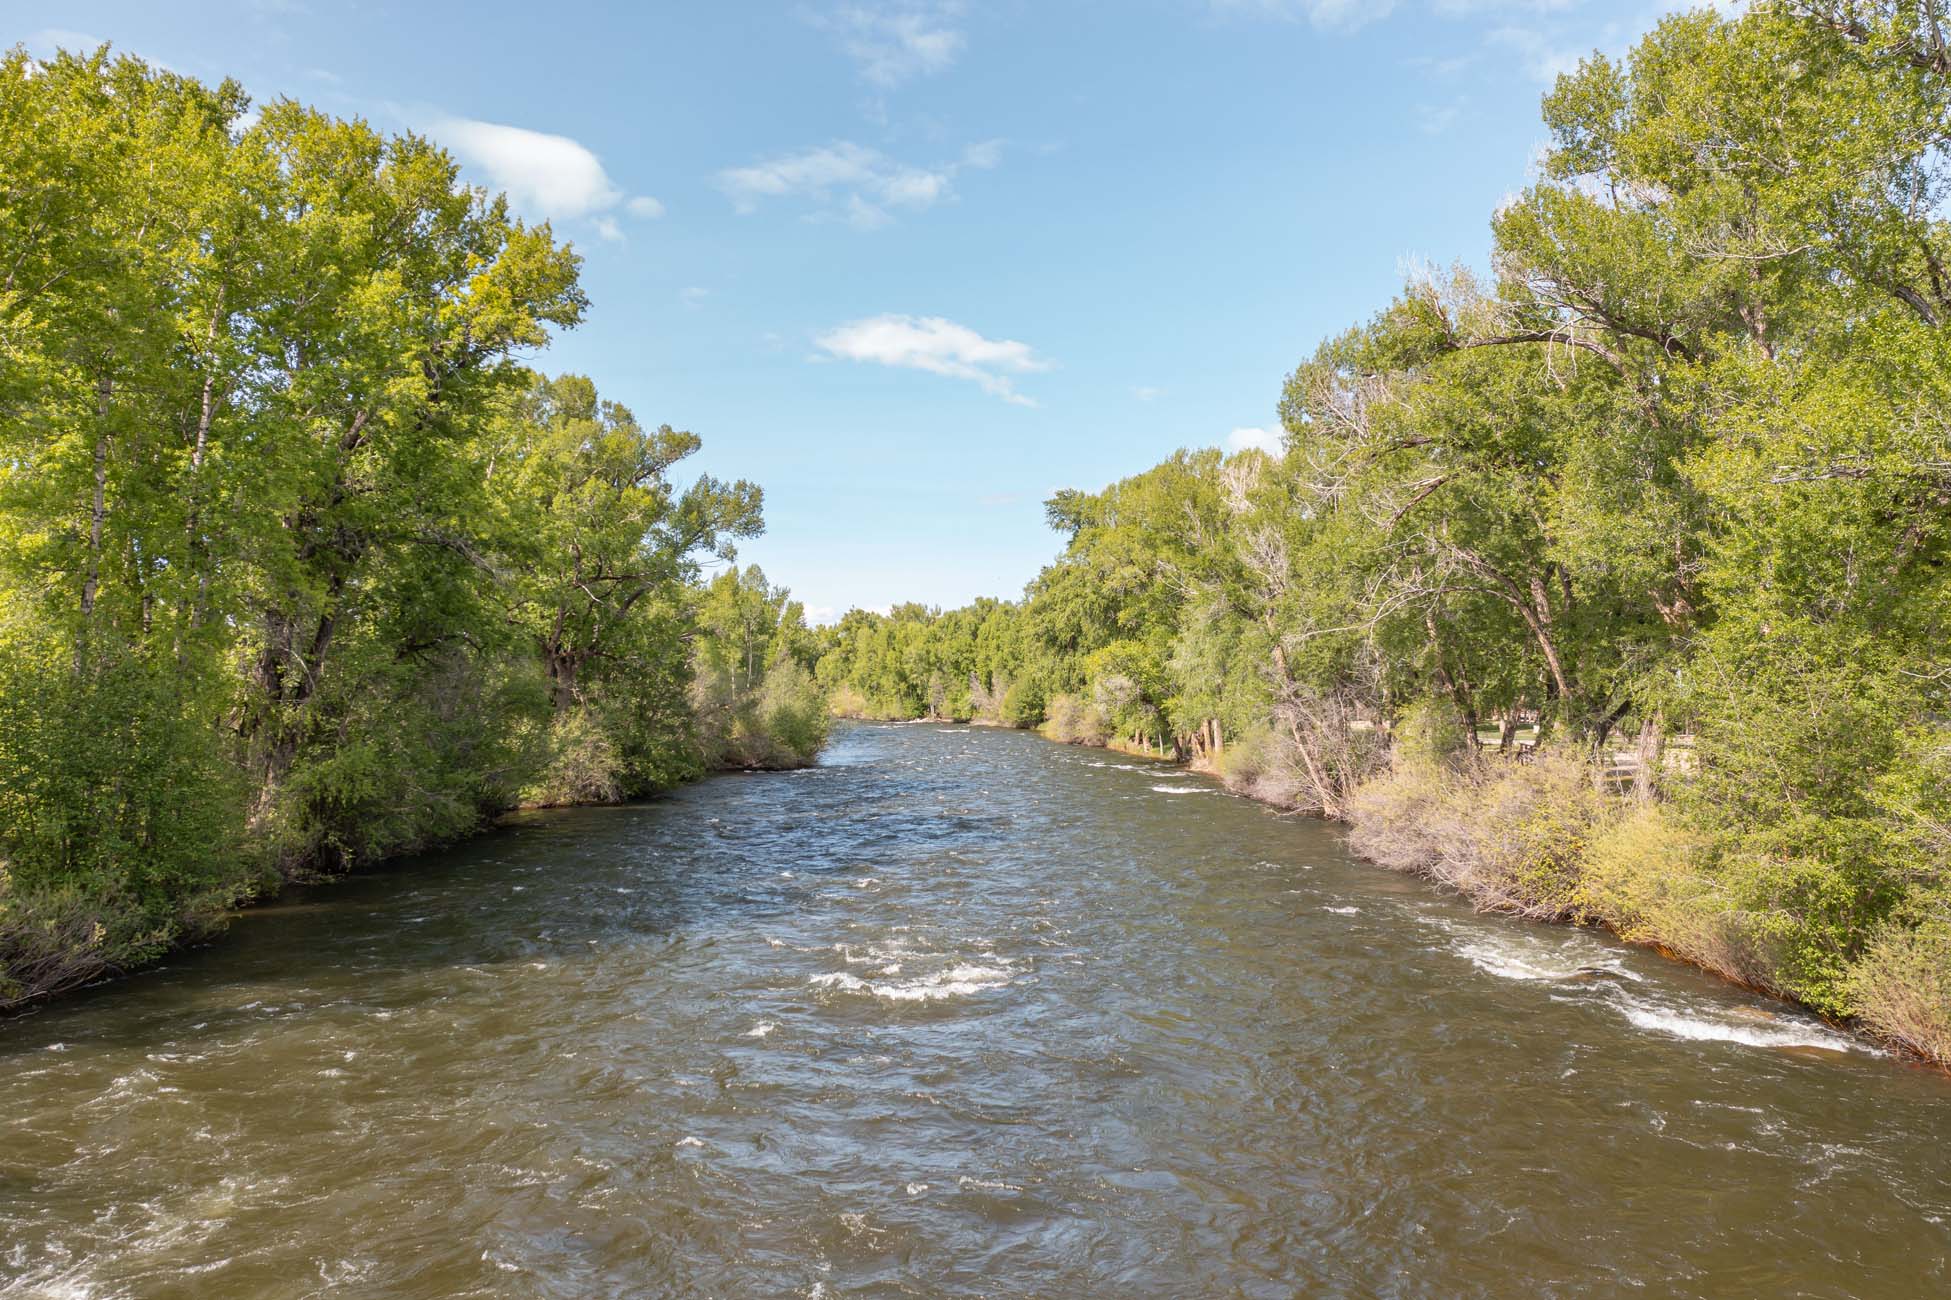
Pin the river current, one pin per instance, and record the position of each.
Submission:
(956, 1013)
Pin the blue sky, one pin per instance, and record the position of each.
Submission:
(914, 264)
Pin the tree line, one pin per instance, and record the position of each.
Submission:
(1660, 500)
(302, 565)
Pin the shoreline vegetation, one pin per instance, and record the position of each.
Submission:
(1610, 584)
(304, 568)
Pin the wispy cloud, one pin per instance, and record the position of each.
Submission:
(938, 346)
(1146, 393)
(895, 42)
(1548, 37)
(852, 180)
(543, 175)
(1435, 119)
(1469, 8)
(1344, 15)
(1545, 58)
(44, 43)
(1267, 440)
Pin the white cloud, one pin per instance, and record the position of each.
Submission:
(938, 346)
(1146, 393)
(693, 296)
(1267, 440)
(543, 175)
(49, 41)
(1343, 15)
(984, 155)
(1435, 119)
(894, 43)
(1544, 57)
(1468, 8)
(852, 179)
(44, 43)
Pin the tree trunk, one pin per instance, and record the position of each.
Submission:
(1650, 747)
(97, 513)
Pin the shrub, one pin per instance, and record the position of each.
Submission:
(1433, 733)
(120, 820)
(1902, 986)
(1070, 721)
(792, 715)
(584, 765)
(779, 723)
(1511, 839)
(846, 702)
(1257, 764)
(1023, 703)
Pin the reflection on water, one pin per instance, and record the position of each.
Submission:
(956, 1014)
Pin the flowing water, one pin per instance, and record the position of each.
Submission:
(958, 1013)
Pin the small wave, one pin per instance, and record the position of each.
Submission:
(1343, 911)
(1180, 789)
(987, 1184)
(956, 981)
(1524, 957)
(1534, 961)
(1700, 1028)
(761, 1030)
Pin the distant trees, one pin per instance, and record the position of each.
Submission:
(299, 564)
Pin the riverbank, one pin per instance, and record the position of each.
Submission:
(1540, 840)
(47, 953)
(960, 1013)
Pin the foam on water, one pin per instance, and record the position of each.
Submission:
(956, 981)
(1517, 957)
(1576, 961)
(1697, 1026)
(1180, 789)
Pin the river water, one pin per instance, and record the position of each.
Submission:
(957, 1013)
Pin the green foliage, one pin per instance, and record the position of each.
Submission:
(299, 568)
(1072, 721)
(755, 699)
(120, 819)
(1678, 464)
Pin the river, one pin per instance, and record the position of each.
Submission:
(956, 1013)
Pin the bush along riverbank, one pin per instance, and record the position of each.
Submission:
(302, 569)
(1670, 481)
